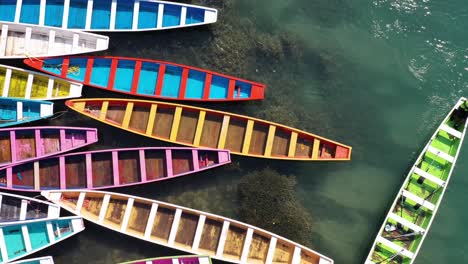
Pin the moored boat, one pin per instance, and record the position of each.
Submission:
(188, 259)
(19, 40)
(107, 15)
(407, 224)
(151, 78)
(28, 143)
(19, 83)
(110, 168)
(39, 260)
(14, 111)
(24, 238)
(201, 127)
(184, 229)
(15, 208)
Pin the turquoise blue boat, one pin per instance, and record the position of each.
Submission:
(106, 15)
(40, 260)
(18, 111)
(24, 238)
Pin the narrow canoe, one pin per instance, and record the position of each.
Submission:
(107, 15)
(151, 78)
(28, 143)
(201, 127)
(18, 208)
(188, 259)
(40, 260)
(110, 168)
(19, 83)
(23, 41)
(24, 238)
(15, 111)
(407, 223)
(184, 229)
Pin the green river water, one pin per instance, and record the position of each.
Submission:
(378, 75)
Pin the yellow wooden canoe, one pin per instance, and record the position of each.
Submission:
(201, 127)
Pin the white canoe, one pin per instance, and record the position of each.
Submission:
(20, 83)
(23, 40)
(15, 208)
(39, 260)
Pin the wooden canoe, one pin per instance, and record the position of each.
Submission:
(40, 260)
(110, 168)
(19, 83)
(28, 143)
(24, 238)
(23, 41)
(14, 111)
(408, 222)
(188, 259)
(151, 78)
(15, 208)
(201, 127)
(107, 15)
(184, 229)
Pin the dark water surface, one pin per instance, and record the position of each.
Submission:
(377, 75)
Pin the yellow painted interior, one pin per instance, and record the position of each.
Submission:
(60, 89)
(39, 87)
(18, 84)
(2, 79)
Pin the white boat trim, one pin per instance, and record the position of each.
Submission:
(151, 218)
(429, 176)
(441, 154)
(26, 238)
(198, 232)
(406, 223)
(126, 217)
(418, 200)
(3, 248)
(451, 131)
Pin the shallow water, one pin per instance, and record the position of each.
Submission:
(377, 75)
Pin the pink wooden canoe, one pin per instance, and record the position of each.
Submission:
(110, 168)
(28, 143)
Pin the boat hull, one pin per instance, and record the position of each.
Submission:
(29, 143)
(201, 127)
(20, 41)
(19, 83)
(108, 15)
(40, 260)
(19, 208)
(20, 111)
(110, 168)
(408, 222)
(191, 259)
(151, 78)
(185, 229)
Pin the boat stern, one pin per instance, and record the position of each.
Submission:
(77, 224)
(47, 110)
(52, 196)
(258, 92)
(75, 90)
(211, 16)
(102, 43)
(34, 63)
(224, 156)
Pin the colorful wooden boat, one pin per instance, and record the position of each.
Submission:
(18, 208)
(184, 229)
(407, 223)
(28, 143)
(188, 259)
(201, 127)
(110, 168)
(24, 238)
(14, 111)
(40, 260)
(151, 78)
(19, 83)
(107, 15)
(22, 40)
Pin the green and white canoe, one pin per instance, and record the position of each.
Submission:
(407, 223)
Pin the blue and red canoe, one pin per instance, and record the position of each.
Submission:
(150, 78)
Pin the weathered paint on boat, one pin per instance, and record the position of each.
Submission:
(24, 238)
(110, 168)
(408, 222)
(19, 83)
(188, 259)
(183, 228)
(108, 15)
(151, 78)
(14, 111)
(39, 260)
(201, 127)
(19, 41)
(15, 208)
(24, 144)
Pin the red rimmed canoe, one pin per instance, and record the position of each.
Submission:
(29, 143)
(110, 168)
(150, 78)
(201, 127)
